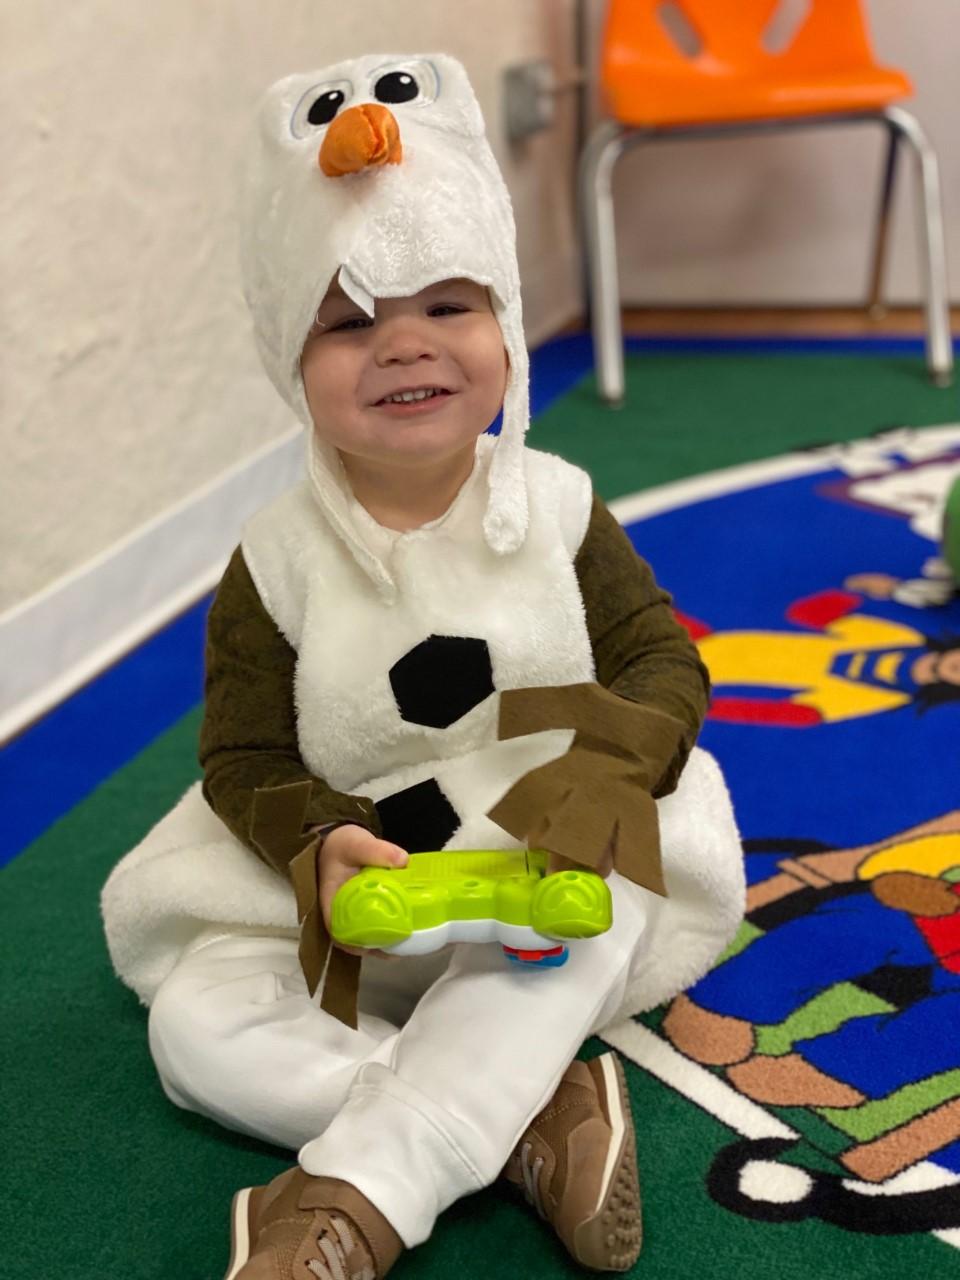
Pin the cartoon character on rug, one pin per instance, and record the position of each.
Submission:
(841, 1003)
(439, 639)
(846, 665)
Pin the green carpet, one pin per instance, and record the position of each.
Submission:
(687, 414)
(104, 1178)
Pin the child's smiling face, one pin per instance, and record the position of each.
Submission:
(445, 337)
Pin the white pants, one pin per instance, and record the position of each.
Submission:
(425, 1101)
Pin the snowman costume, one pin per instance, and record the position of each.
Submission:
(396, 693)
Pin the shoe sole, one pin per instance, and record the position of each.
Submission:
(243, 1212)
(611, 1238)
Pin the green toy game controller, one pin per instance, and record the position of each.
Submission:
(500, 896)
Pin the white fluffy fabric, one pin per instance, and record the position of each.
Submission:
(390, 230)
(190, 874)
(704, 874)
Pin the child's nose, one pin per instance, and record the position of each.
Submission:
(403, 341)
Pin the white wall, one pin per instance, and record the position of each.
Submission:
(787, 219)
(129, 377)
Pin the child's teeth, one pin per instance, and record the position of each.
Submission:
(407, 396)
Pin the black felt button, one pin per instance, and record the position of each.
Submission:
(419, 818)
(441, 679)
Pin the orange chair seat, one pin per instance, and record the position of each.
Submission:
(641, 100)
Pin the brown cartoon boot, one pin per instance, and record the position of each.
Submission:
(709, 1038)
(791, 1081)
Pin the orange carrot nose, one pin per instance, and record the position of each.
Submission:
(360, 136)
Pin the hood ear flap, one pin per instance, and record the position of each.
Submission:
(331, 491)
(506, 520)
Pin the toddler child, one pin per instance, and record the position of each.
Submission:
(440, 639)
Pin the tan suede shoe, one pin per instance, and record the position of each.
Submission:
(303, 1228)
(576, 1164)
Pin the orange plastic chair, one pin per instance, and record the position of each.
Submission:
(700, 68)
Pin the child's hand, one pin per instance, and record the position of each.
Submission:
(343, 852)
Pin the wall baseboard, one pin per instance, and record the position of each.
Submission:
(54, 642)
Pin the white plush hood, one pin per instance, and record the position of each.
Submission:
(390, 229)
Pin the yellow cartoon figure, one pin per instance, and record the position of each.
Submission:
(846, 664)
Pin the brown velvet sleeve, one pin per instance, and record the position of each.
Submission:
(248, 740)
(641, 652)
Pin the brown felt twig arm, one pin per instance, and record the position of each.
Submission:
(597, 796)
(279, 815)
(583, 806)
(628, 729)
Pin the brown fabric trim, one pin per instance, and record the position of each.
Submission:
(341, 987)
(596, 799)
(281, 813)
(248, 740)
(314, 940)
(624, 728)
(640, 650)
(278, 819)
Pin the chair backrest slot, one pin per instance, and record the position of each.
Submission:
(785, 24)
(679, 42)
(680, 29)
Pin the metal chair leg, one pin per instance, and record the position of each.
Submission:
(875, 304)
(596, 169)
(932, 250)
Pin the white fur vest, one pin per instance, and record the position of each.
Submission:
(396, 693)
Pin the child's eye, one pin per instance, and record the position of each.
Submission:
(448, 307)
(353, 323)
